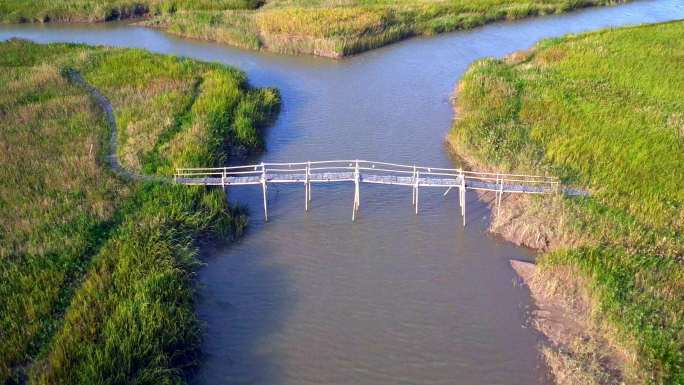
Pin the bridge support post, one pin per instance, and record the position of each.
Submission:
(462, 198)
(357, 195)
(223, 182)
(499, 195)
(413, 189)
(263, 189)
(416, 190)
(307, 188)
(309, 166)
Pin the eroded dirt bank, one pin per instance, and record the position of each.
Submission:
(574, 350)
(573, 347)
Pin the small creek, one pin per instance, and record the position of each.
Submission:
(395, 298)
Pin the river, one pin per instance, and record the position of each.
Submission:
(394, 298)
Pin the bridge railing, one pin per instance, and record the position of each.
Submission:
(500, 182)
(358, 171)
(218, 172)
(488, 181)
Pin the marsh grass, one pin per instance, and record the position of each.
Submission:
(601, 110)
(20, 11)
(236, 28)
(176, 112)
(337, 29)
(319, 27)
(96, 272)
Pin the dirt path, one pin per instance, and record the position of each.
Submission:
(112, 155)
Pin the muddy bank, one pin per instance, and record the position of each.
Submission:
(574, 350)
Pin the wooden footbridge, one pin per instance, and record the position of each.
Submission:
(362, 171)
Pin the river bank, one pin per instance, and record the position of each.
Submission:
(597, 110)
(297, 27)
(98, 268)
(575, 352)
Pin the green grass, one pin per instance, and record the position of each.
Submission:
(20, 11)
(337, 29)
(605, 111)
(96, 272)
(319, 27)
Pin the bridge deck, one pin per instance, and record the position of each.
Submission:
(360, 171)
(408, 181)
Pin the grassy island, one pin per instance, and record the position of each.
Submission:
(96, 270)
(604, 111)
(325, 28)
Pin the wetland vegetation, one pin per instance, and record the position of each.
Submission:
(604, 111)
(319, 27)
(96, 274)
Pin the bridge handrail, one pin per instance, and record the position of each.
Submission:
(351, 161)
(217, 173)
(409, 168)
(455, 170)
(253, 166)
(350, 165)
(422, 173)
(332, 168)
(281, 169)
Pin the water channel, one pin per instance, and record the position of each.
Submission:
(394, 298)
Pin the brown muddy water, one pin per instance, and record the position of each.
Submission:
(395, 298)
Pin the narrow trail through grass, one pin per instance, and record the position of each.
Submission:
(108, 111)
(97, 257)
